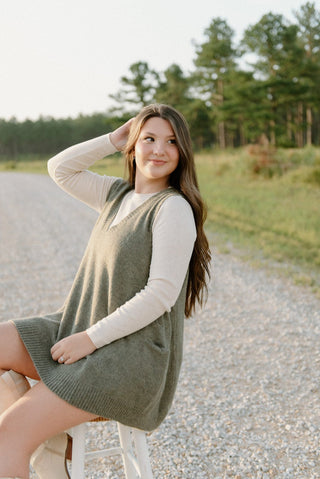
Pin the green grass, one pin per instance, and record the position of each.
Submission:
(277, 218)
(30, 164)
(26, 164)
(266, 217)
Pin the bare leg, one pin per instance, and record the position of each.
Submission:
(34, 418)
(37, 416)
(13, 353)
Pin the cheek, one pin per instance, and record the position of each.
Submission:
(176, 159)
(140, 151)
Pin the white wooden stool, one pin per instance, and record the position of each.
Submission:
(133, 449)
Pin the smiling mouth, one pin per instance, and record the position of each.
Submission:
(158, 162)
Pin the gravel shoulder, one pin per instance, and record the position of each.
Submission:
(248, 401)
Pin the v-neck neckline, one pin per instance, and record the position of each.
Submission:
(133, 212)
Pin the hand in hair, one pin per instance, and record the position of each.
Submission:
(119, 137)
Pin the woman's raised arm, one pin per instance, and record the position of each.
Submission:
(69, 169)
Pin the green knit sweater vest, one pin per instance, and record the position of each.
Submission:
(131, 380)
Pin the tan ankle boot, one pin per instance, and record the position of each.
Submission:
(49, 460)
(12, 386)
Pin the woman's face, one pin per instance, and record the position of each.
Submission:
(156, 154)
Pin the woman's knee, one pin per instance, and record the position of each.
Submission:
(13, 353)
(43, 414)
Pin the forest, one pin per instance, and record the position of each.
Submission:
(264, 87)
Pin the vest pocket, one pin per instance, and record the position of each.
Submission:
(159, 334)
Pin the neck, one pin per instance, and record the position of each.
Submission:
(145, 187)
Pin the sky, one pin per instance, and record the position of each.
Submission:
(62, 58)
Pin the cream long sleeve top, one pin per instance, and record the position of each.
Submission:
(173, 234)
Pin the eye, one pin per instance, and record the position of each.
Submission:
(173, 141)
(149, 139)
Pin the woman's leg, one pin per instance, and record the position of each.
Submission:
(13, 353)
(34, 418)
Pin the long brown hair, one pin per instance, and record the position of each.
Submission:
(183, 179)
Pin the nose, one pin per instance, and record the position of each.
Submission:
(158, 148)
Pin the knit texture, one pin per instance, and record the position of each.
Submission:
(131, 380)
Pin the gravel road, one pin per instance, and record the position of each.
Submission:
(248, 402)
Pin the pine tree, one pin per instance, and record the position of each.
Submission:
(215, 58)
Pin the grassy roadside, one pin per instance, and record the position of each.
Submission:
(25, 164)
(266, 218)
(38, 165)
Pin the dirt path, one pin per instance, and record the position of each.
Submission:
(248, 403)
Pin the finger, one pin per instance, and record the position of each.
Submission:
(129, 122)
(55, 347)
(57, 354)
(70, 361)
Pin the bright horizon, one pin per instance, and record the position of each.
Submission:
(64, 58)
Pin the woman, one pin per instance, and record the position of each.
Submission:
(115, 347)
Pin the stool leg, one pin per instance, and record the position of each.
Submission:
(78, 451)
(127, 451)
(141, 446)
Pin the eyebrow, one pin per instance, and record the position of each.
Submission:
(154, 134)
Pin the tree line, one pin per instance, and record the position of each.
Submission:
(266, 85)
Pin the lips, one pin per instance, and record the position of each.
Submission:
(157, 162)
